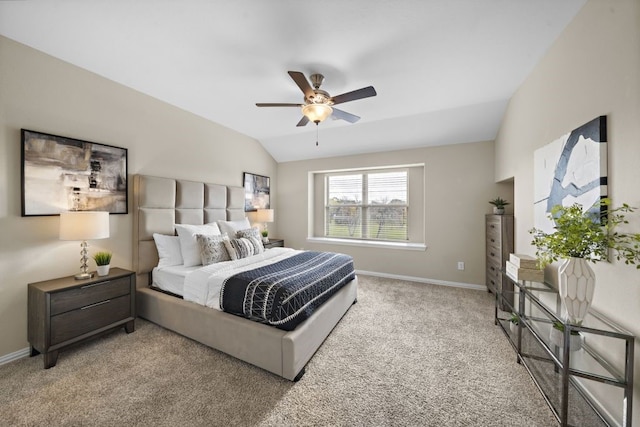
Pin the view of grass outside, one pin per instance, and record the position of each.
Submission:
(367, 206)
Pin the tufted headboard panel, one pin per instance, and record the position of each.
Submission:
(160, 203)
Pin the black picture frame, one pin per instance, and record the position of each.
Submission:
(60, 174)
(256, 191)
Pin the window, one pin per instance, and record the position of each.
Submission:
(371, 205)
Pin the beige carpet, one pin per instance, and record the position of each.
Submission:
(406, 354)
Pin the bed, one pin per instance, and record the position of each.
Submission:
(160, 204)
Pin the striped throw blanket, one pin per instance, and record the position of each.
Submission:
(286, 293)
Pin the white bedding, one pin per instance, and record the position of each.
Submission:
(171, 278)
(203, 285)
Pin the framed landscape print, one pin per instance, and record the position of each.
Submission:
(256, 192)
(60, 174)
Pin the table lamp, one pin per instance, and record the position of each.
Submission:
(264, 216)
(83, 226)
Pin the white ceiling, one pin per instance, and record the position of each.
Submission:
(444, 70)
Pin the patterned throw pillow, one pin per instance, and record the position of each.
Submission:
(253, 234)
(212, 248)
(239, 248)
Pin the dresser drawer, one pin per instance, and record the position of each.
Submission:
(81, 296)
(494, 239)
(74, 323)
(492, 282)
(494, 255)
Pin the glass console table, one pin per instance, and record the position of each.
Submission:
(585, 373)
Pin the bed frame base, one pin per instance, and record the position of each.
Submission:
(284, 353)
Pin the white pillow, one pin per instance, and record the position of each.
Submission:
(231, 227)
(168, 250)
(189, 245)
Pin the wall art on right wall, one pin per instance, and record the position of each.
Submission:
(571, 169)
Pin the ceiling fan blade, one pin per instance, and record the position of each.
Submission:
(365, 92)
(302, 83)
(275, 104)
(343, 115)
(303, 121)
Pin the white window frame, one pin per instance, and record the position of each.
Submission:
(314, 199)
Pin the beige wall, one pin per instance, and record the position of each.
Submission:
(593, 69)
(459, 182)
(41, 93)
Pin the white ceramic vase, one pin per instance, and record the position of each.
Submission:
(576, 285)
(103, 270)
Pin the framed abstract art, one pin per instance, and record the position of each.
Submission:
(256, 192)
(571, 169)
(60, 174)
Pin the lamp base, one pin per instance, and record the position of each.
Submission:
(83, 276)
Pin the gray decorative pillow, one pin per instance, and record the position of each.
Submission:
(239, 248)
(254, 236)
(212, 248)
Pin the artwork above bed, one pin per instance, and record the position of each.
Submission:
(60, 174)
(257, 189)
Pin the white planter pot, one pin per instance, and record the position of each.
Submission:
(576, 285)
(557, 337)
(498, 211)
(513, 327)
(103, 270)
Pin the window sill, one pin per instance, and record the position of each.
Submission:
(369, 243)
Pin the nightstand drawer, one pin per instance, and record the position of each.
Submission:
(71, 299)
(274, 243)
(88, 318)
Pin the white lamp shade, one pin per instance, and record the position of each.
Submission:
(317, 112)
(84, 225)
(264, 215)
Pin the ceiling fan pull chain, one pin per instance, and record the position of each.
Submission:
(316, 134)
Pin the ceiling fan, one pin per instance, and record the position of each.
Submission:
(318, 104)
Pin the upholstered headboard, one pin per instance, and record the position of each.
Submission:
(160, 203)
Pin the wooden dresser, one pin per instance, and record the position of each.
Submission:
(64, 311)
(499, 237)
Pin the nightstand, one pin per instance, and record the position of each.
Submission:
(274, 243)
(65, 311)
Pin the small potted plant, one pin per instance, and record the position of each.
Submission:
(498, 205)
(514, 321)
(556, 336)
(265, 235)
(103, 261)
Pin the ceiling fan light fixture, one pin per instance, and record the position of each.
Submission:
(317, 112)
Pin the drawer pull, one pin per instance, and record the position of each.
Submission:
(95, 284)
(492, 254)
(96, 304)
(492, 226)
(492, 268)
(493, 240)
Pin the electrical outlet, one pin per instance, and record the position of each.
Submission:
(460, 265)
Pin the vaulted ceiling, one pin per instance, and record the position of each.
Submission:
(444, 70)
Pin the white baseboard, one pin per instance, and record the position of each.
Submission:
(424, 280)
(14, 356)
